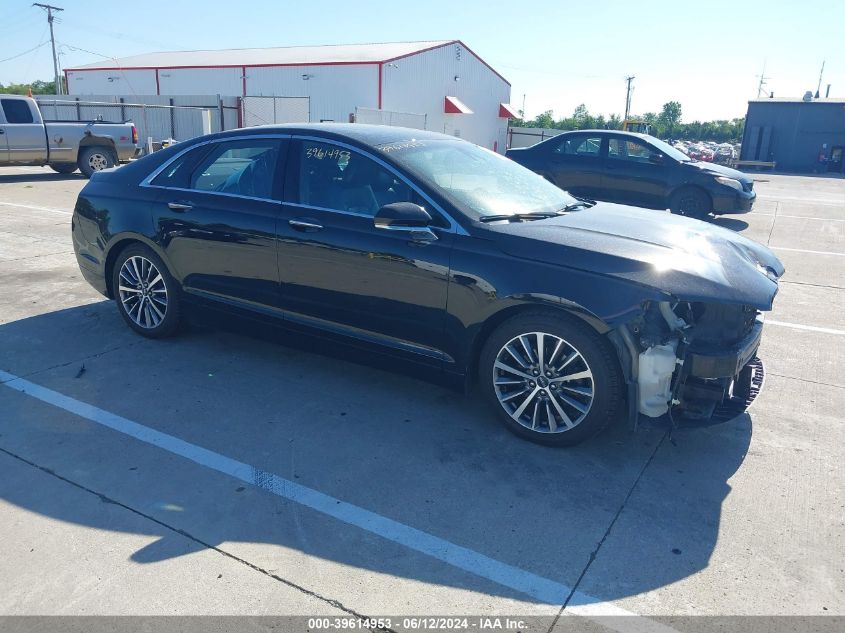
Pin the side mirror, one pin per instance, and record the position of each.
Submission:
(656, 158)
(402, 215)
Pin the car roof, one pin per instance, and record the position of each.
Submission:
(373, 135)
(603, 131)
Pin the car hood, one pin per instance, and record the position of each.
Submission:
(719, 170)
(688, 259)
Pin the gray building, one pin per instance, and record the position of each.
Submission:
(799, 135)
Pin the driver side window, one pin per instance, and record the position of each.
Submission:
(335, 178)
(629, 149)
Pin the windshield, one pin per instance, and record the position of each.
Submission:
(477, 181)
(670, 151)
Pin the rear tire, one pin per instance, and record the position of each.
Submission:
(691, 202)
(568, 397)
(64, 168)
(95, 158)
(146, 293)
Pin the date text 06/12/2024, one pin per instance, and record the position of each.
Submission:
(417, 623)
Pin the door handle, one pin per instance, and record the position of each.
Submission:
(2, 131)
(302, 225)
(180, 206)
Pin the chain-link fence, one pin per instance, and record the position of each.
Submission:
(156, 117)
(389, 117)
(271, 110)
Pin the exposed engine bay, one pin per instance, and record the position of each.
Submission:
(686, 359)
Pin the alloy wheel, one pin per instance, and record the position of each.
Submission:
(143, 292)
(543, 382)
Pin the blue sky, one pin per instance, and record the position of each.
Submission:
(558, 54)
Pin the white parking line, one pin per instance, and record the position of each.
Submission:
(35, 208)
(809, 328)
(797, 217)
(838, 203)
(536, 587)
(804, 250)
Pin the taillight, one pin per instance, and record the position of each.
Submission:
(134, 135)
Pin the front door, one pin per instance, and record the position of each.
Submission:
(635, 173)
(342, 274)
(24, 135)
(835, 162)
(216, 219)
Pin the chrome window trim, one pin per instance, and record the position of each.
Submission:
(454, 226)
(215, 193)
(355, 214)
(146, 182)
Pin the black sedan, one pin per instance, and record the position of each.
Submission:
(434, 251)
(637, 169)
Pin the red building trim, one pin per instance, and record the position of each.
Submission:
(214, 66)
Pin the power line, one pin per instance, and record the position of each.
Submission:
(49, 9)
(34, 48)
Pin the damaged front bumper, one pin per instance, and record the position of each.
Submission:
(710, 378)
(690, 372)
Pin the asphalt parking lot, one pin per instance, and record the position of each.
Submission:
(215, 473)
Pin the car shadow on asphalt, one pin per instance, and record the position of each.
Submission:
(47, 176)
(641, 509)
(733, 224)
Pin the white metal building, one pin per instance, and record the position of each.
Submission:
(447, 86)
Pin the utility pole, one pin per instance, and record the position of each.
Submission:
(821, 74)
(762, 83)
(628, 97)
(49, 9)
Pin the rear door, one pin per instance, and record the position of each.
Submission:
(23, 131)
(634, 173)
(216, 219)
(575, 163)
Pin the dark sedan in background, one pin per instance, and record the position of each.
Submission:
(637, 169)
(432, 250)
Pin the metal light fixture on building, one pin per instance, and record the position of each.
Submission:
(457, 78)
(306, 77)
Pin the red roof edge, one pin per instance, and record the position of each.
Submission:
(344, 63)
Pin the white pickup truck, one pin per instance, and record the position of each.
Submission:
(26, 139)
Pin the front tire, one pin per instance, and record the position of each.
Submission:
(95, 158)
(147, 296)
(550, 378)
(691, 202)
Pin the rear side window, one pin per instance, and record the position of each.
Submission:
(581, 145)
(16, 111)
(178, 173)
(244, 168)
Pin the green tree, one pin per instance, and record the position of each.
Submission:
(38, 88)
(670, 116)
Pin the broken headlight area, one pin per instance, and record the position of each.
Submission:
(695, 362)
